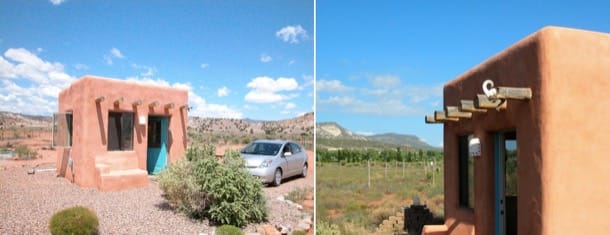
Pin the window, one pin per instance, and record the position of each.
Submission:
(465, 173)
(287, 148)
(154, 133)
(120, 131)
(295, 148)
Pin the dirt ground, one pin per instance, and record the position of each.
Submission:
(37, 142)
(47, 158)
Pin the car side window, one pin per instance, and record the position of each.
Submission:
(287, 148)
(295, 148)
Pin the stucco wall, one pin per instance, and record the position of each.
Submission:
(90, 120)
(561, 133)
(577, 166)
(518, 66)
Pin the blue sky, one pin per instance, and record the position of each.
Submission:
(239, 59)
(381, 65)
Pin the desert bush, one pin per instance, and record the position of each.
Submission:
(245, 140)
(299, 232)
(25, 153)
(76, 220)
(228, 230)
(202, 151)
(297, 194)
(224, 192)
(181, 190)
(323, 228)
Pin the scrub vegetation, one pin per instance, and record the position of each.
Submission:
(75, 220)
(201, 186)
(349, 204)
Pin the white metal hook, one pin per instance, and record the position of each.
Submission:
(488, 88)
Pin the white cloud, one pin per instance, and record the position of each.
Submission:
(266, 58)
(331, 86)
(223, 91)
(200, 107)
(381, 95)
(108, 60)
(291, 62)
(30, 84)
(116, 53)
(147, 71)
(204, 66)
(57, 2)
(266, 89)
(250, 107)
(292, 33)
(290, 106)
(381, 107)
(386, 81)
(81, 66)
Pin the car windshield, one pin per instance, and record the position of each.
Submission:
(261, 148)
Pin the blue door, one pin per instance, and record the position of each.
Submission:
(157, 144)
(506, 183)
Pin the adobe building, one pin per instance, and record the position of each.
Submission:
(529, 151)
(111, 134)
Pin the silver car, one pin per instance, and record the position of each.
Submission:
(274, 160)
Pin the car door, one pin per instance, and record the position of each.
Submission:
(297, 159)
(289, 171)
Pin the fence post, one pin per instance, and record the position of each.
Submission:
(369, 163)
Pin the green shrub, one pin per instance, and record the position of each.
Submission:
(324, 228)
(299, 232)
(181, 190)
(297, 195)
(224, 192)
(25, 153)
(228, 230)
(76, 220)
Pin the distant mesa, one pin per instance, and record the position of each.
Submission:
(298, 126)
(332, 135)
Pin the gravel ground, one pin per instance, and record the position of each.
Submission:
(27, 202)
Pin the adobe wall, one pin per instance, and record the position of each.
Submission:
(577, 166)
(562, 137)
(91, 120)
(517, 66)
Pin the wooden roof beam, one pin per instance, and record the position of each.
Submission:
(153, 104)
(482, 101)
(442, 116)
(118, 101)
(468, 106)
(454, 112)
(514, 93)
(430, 120)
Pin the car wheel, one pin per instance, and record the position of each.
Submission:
(304, 173)
(277, 177)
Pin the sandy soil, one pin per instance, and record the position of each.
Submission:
(28, 193)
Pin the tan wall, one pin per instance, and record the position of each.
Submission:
(91, 120)
(561, 135)
(577, 169)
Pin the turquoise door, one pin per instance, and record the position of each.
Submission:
(157, 145)
(506, 183)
